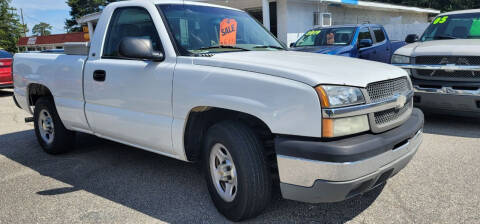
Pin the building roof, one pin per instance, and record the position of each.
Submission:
(52, 39)
(378, 5)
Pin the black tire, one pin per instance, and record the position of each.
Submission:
(254, 183)
(63, 140)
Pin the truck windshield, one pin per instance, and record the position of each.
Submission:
(203, 29)
(327, 36)
(461, 26)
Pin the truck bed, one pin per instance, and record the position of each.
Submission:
(63, 73)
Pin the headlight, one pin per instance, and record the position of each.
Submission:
(340, 96)
(400, 59)
(344, 126)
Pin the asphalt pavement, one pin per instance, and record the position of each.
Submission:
(105, 182)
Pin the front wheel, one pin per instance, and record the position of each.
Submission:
(236, 170)
(51, 134)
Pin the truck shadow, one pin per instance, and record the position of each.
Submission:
(447, 125)
(163, 188)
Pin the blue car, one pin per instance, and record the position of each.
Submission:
(366, 41)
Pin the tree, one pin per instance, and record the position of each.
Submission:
(80, 8)
(10, 27)
(42, 29)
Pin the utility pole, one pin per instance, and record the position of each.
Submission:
(23, 23)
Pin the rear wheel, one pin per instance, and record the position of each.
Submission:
(236, 170)
(51, 134)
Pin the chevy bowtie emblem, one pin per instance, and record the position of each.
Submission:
(449, 67)
(444, 61)
(401, 101)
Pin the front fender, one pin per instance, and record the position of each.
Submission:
(287, 107)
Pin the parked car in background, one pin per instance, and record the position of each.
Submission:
(444, 64)
(366, 41)
(6, 80)
(209, 84)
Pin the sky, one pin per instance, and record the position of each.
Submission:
(53, 12)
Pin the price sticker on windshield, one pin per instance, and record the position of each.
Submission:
(313, 32)
(228, 32)
(440, 20)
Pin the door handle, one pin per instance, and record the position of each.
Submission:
(99, 75)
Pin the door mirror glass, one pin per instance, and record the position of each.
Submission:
(411, 38)
(139, 48)
(365, 43)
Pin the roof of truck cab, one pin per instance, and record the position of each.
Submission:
(164, 2)
(348, 26)
(5, 54)
(96, 16)
(461, 12)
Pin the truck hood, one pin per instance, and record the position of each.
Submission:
(312, 69)
(333, 50)
(459, 47)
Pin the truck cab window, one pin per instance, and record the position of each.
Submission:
(130, 22)
(379, 34)
(365, 34)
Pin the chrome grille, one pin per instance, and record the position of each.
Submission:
(384, 90)
(379, 91)
(387, 116)
(444, 75)
(443, 60)
(447, 75)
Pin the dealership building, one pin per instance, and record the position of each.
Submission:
(289, 19)
(49, 42)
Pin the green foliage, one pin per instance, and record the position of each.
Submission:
(10, 27)
(443, 5)
(42, 29)
(81, 8)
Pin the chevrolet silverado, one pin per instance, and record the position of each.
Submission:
(208, 84)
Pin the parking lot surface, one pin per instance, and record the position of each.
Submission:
(105, 182)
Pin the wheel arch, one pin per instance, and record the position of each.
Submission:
(201, 118)
(35, 91)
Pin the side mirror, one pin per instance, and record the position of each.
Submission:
(139, 48)
(292, 44)
(365, 43)
(411, 38)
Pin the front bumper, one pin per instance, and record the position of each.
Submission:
(315, 172)
(460, 98)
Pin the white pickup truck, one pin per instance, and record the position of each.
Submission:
(198, 82)
(445, 64)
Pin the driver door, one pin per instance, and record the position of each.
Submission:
(129, 100)
(367, 53)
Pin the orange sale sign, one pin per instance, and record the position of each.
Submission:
(228, 32)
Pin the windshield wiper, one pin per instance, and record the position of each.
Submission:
(439, 37)
(222, 47)
(269, 46)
